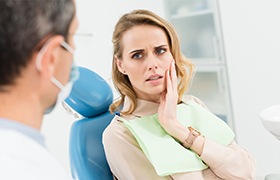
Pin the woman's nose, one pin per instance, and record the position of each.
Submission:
(155, 67)
(153, 63)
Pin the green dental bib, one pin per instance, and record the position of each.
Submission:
(164, 152)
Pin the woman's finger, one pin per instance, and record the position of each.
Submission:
(168, 82)
(173, 76)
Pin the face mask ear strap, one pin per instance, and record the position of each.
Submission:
(57, 83)
(41, 53)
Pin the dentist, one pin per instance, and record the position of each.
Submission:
(36, 72)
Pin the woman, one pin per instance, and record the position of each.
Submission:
(152, 75)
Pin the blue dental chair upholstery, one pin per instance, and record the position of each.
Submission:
(90, 97)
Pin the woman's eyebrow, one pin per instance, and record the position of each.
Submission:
(160, 46)
(136, 51)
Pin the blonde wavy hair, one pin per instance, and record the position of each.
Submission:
(184, 68)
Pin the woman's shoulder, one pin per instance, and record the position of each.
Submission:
(116, 127)
(187, 98)
(116, 131)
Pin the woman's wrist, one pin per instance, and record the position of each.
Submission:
(198, 145)
(194, 140)
(192, 135)
(181, 133)
(177, 130)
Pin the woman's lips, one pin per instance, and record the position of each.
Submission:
(154, 77)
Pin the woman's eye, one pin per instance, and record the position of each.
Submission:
(137, 56)
(160, 51)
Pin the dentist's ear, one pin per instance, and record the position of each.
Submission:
(48, 55)
(119, 65)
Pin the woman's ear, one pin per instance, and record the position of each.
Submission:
(119, 64)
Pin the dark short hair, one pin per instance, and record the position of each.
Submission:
(23, 25)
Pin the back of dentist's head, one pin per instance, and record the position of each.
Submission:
(24, 28)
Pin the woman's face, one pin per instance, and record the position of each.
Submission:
(146, 58)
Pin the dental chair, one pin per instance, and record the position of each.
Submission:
(90, 99)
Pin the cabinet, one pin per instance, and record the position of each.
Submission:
(198, 25)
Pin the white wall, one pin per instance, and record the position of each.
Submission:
(252, 41)
(252, 38)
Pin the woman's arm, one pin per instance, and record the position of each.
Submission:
(227, 162)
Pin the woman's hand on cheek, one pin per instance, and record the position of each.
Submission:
(168, 102)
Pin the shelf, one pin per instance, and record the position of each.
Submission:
(192, 14)
(205, 67)
(206, 62)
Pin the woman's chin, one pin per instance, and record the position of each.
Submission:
(158, 91)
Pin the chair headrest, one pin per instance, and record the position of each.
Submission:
(91, 95)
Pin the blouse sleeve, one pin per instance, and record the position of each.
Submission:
(227, 162)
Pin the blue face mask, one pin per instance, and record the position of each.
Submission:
(66, 89)
(74, 75)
